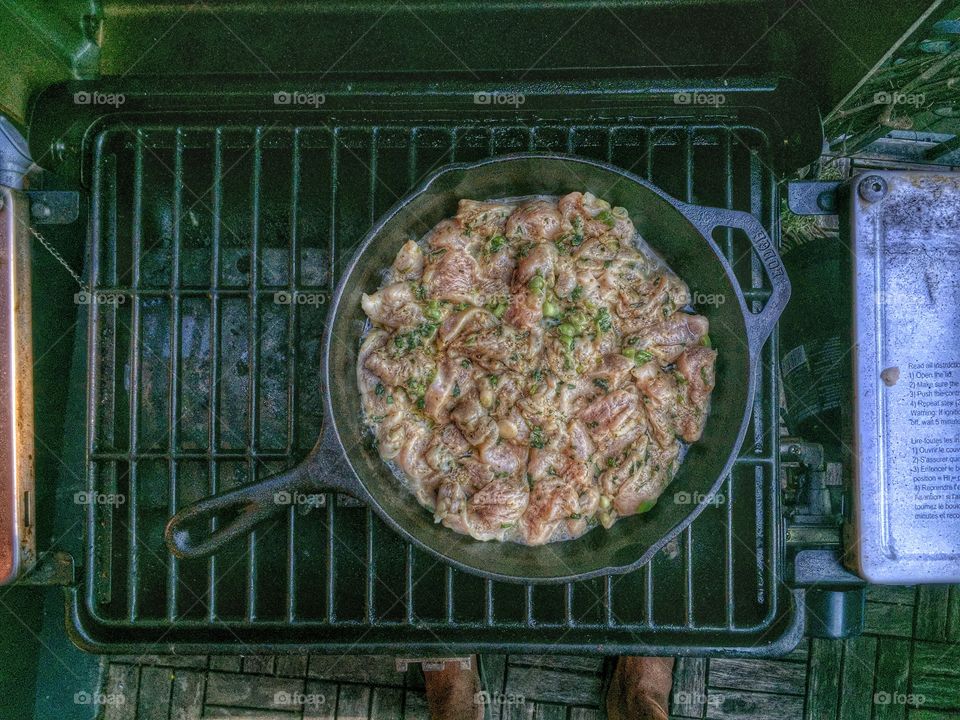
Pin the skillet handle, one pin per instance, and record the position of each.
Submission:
(759, 325)
(188, 534)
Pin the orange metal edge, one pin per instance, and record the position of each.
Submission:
(17, 535)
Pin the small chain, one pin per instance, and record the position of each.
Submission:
(59, 258)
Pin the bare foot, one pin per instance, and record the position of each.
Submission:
(452, 692)
(640, 688)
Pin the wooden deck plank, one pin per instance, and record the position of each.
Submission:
(573, 663)
(898, 594)
(953, 612)
(184, 661)
(583, 713)
(233, 713)
(936, 691)
(373, 669)
(932, 612)
(269, 693)
(291, 665)
(923, 714)
(823, 679)
(259, 664)
(186, 695)
(688, 698)
(123, 681)
(386, 704)
(544, 711)
(773, 676)
(519, 711)
(856, 679)
(320, 701)
(800, 653)
(888, 619)
(415, 706)
(737, 705)
(893, 667)
(936, 659)
(557, 686)
(153, 700)
(353, 702)
(225, 663)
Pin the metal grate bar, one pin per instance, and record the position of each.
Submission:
(213, 418)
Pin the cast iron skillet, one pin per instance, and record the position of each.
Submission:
(345, 460)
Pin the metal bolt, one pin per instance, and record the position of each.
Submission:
(872, 188)
(827, 201)
(41, 210)
(795, 450)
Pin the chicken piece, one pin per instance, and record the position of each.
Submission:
(393, 306)
(590, 217)
(474, 422)
(504, 457)
(400, 368)
(468, 322)
(452, 277)
(646, 480)
(660, 403)
(485, 218)
(449, 235)
(612, 371)
(451, 381)
(603, 415)
(411, 457)
(537, 221)
(408, 265)
(447, 446)
(531, 280)
(551, 501)
(669, 337)
(696, 366)
(649, 300)
(495, 508)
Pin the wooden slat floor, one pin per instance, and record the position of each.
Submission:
(906, 666)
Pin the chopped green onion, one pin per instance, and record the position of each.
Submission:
(577, 293)
(646, 506)
(497, 242)
(604, 322)
(706, 341)
(536, 283)
(566, 330)
(607, 218)
(642, 356)
(380, 389)
(433, 311)
(550, 309)
(536, 438)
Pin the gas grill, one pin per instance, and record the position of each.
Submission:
(212, 220)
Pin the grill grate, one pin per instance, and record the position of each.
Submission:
(202, 378)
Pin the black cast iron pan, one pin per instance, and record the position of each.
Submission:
(345, 460)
